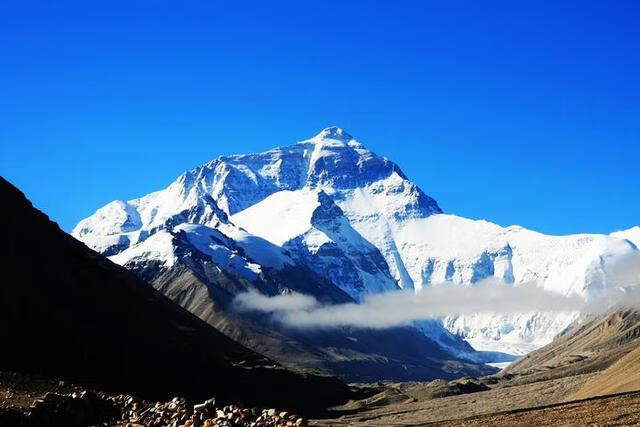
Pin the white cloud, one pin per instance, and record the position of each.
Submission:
(489, 296)
(254, 301)
(403, 307)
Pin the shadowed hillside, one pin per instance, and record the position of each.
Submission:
(70, 313)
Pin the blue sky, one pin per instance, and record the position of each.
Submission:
(522, 112)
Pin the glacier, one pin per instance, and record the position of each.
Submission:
(354, 218)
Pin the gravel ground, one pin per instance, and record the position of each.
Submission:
(406, 406)
(621, 410)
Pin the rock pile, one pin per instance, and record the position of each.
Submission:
(177, 413)
(82, 408)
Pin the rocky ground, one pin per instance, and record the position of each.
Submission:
(409, 404)
(617, 410)
(588, 376)
(30, 401)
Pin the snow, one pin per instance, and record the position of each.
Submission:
(447, 248)
(632, 235)
(259, 250)
(465, 251)
(209, 242)
(333, 205)
(280, 217)
(222, 250)
(514, 348)
(307, 223)
(331, 135)
(158, 247)
(108, 227)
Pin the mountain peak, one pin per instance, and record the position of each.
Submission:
(334, 133)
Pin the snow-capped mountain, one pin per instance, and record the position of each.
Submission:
(145, 229)
(347, 214)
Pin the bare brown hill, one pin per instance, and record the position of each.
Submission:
(622, 376)
(591, 345)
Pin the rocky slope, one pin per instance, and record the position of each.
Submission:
(587, 376)
(354, 218)
(590, 345)
(207, 290)
(73, 314)
(622, 376)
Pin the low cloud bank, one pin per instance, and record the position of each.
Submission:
(254, 301)
(623, 271)
(403, 307)
(399, 308)
(621, 286)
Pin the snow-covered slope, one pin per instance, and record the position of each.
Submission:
(244, 256)
(352, 216)
(143, 229)
(632, 234)
(315, 231)
(443, 248)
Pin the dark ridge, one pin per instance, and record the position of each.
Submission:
(68, 312)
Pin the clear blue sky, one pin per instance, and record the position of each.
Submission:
(519, 112)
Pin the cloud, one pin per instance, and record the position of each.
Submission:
(621, 286)
(254, 301)
(403, 307)
(623, 271)
(621, 290)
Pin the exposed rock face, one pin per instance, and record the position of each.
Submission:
(340, 253)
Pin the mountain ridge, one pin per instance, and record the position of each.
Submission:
(419, 245)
